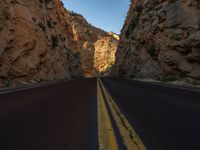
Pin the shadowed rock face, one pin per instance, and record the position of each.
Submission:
(41, 40)
(160, 40)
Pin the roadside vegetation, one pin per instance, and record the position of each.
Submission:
(54, 41)
(7, 83)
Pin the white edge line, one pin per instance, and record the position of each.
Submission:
(32, 87)
(171, 86)
(181, 88)
(23, 89)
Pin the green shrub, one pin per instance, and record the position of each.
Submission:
(121, 72)
(7, 83)
(48, 1)
(54, 41)
(168, 78)
(77, 55)
(87, 31)
(62, 3)
(54, 23)
(49, 23)
(132, 75)
(182, 74)
(151, 50)
(63, 39)
(42, 26)
(109, 68)
(74, 13)
(172, 1)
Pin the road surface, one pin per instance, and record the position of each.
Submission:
(165, 118)
(61, 116)
(92, 114)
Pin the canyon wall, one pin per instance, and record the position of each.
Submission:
(41, 40)
(160, 40)
(35, 42)
(97, 48)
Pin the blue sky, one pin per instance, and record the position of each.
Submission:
(108, 15)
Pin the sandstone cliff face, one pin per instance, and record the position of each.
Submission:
(35, 42)
(97, 48)
(41, 40)
(160, 40)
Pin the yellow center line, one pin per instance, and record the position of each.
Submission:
(107, 138)
(130, 138)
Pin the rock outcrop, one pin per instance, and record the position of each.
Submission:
(41, 40)
(160, 40)
(97, 48)
(35, 42)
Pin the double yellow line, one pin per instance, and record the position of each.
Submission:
(106, 133)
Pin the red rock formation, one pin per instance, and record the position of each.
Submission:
(96, 47)
(41, 40)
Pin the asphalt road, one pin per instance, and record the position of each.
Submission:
(61, 116)
(165, 118)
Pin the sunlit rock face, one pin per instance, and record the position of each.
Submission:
(97, 48)
(35, 42)
(41, 40)
(160, 40)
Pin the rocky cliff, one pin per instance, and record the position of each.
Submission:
(41, 40)
(35, 42)
(160, 40)
(96, 47)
